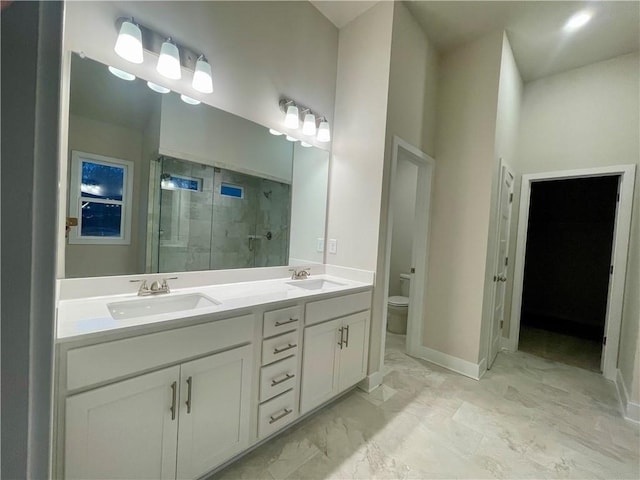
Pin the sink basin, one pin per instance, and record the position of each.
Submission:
(158, 305)
(315, 284)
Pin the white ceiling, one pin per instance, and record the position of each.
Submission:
(539, 44)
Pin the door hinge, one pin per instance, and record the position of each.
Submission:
(501, 324)
(506, 261)
(495, 278)
(618, 197)
(510, 197)
(611, 270)
(604, 340)
(413, 269)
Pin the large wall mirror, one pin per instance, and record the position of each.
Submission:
(157, 184)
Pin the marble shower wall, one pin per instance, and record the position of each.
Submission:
(204, 230)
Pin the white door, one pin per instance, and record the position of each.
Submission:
(123, 431)
(505, 199)
(320, 364)
(214, 410)
(353, 354)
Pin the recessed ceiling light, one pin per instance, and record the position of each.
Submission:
(578, 20)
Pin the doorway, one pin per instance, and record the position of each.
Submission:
(407, 241)
(570, 268)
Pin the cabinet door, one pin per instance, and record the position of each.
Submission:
(214, 410)
(320, 364)
(353, 355)
(125, 430)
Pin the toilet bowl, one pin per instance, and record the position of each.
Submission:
(398, 307)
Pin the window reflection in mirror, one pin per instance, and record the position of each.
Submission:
(205, 189)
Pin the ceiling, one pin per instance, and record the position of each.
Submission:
(99, 95)
(534, 28)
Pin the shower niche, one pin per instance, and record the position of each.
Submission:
(211, 218)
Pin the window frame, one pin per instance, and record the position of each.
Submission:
(76, 198)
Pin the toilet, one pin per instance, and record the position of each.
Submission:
(398, 307)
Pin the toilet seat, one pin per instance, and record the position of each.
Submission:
(399, 301)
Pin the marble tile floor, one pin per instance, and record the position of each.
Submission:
(528, 418)
(579, 352)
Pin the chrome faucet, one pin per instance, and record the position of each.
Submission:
(300, 274)
(155, 288)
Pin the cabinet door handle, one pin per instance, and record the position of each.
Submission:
(341, 330)
(188, 402)
(174, 392)
(346, 342)
(291, 320)
(288, 376)
(275, 418)
(284, 349)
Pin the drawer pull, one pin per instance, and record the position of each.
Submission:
(188, 402)
(285, 412)
(288, 376)
(174, 391)
(291, 320)
(284, 349)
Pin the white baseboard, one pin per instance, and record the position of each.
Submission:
(630, 410)
(506, 344)
(371, 382)
(458, 365)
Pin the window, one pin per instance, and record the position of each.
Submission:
(100, 198)
(228, 190)
(171, 181)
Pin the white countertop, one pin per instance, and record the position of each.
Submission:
(85, 316)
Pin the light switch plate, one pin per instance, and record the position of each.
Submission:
(333, 246)
(320, 245)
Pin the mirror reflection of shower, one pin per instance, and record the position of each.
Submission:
(208, 218)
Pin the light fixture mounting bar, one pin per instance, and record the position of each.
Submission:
(285, 102)
(152, 42)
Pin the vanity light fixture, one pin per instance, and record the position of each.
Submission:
(122, 74)
(189, 100)
(324, 135)
(291, 139)
(157, 88)
(305, 144)
(291, 119)
(275, 132)
(202, 80)
(169, 60)
(309, 125)
(129, 42)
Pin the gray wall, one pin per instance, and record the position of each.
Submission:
(31, 47)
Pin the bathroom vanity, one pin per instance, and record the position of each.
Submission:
(177, 394)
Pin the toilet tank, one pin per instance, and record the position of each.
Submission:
(405, 284)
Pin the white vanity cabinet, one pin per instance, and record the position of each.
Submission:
(335, 350)
(177, 422)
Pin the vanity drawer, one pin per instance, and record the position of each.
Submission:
(280, 321)
(111, 360)
(277, 348)
(276, 413)
(337, 307)
(278, 377)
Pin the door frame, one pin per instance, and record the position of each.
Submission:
(504, 168)
(420, 251)
(620, 246)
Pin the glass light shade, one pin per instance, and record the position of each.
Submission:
(189, 100)
(292, 120)
(169, 61)
(323, 132)
(305, 144)
(157, 88)
(291, 139)
(274, 132)
(129, 42)
(309, 125)
(122, 74)
(202, 80)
